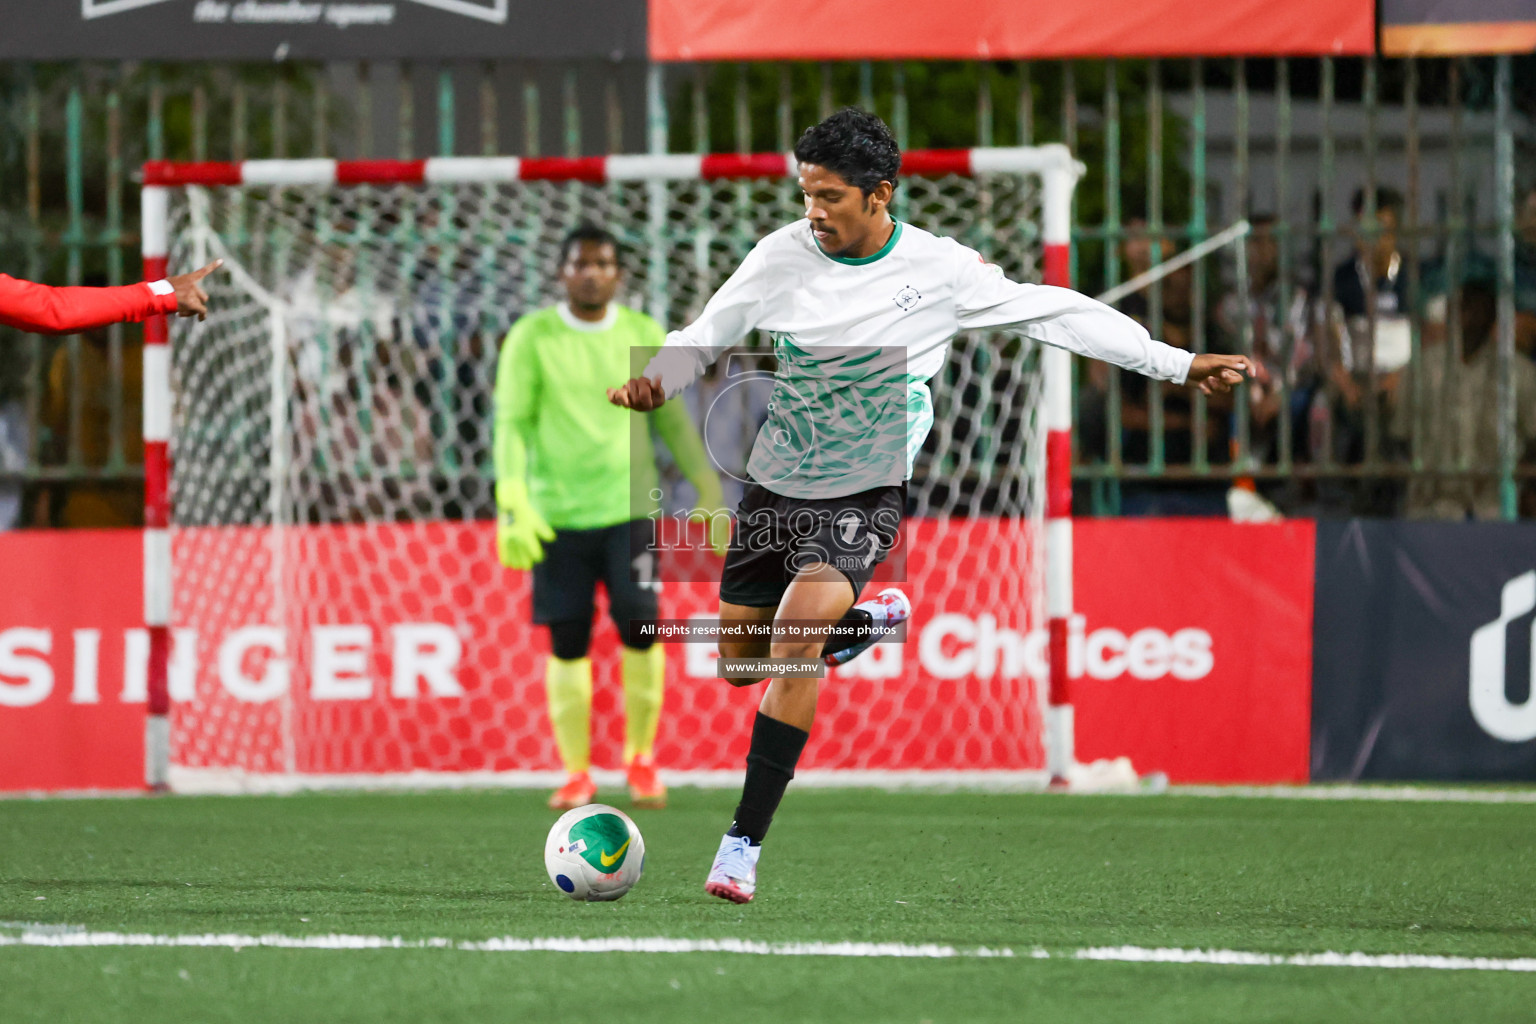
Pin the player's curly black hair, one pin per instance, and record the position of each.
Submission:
(586, 231)
(855, 145)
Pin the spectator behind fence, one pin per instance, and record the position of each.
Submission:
(361, 430)
(1137, 394)
(91, 381)
(1282, 343)
(15, 440)
(1525, 274)
(1375, 266)
(1459, 428)
(1178, 330)
(1136, 251)
(455, 315)
(1364, 347)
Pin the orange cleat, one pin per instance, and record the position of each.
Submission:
(645, 787)
(578, 791)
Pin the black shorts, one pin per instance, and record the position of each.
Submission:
(777, 536)
(565, 582)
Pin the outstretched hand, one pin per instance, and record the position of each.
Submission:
(191, 300)
(641, 394)
(1215, 374)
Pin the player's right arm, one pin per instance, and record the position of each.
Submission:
(985, 298)
(520, 530)
(730, 313)
(42, 309)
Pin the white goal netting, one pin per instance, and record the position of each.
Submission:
(338, 608)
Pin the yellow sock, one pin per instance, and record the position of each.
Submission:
(569, 687)
(644, 672)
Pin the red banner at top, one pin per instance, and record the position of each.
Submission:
(698, 30)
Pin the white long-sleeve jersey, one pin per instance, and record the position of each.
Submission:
(857, 338)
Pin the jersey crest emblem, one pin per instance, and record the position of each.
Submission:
(907, 298)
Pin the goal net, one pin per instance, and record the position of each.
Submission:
(335, 605)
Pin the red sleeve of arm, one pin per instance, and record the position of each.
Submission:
(45, 310)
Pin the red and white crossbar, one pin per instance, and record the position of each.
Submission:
(1053, 163)
(593, 169)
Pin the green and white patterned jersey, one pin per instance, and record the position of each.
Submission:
(857, 339)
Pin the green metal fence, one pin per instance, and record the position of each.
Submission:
(1176, 150)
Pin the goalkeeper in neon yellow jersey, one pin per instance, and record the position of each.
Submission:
(564, 480)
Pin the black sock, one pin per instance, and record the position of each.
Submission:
(844, 637)
(775, 751)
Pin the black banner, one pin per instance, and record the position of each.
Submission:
(321, 29)
(1422, 651)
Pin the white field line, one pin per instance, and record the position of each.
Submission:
(1238, 958)
(64, 936)
(69, 938)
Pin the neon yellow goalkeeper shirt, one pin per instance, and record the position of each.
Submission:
(587, 463)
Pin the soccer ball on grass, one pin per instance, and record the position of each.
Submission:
(594, 853)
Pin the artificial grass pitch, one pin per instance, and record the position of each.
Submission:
(1015, 872)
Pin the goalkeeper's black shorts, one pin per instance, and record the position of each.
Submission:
(777, 536)
(565, 582)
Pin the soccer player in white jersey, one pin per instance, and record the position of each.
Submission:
(861, 309)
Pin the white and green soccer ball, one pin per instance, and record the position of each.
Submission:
(594, 853)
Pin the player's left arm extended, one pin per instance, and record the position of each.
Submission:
(984, 298)
(520, 530)
(515, 400)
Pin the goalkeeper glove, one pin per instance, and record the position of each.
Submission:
(711, 510)
(519, 529)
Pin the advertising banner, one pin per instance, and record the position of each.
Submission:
(71, 708)
(689, 30)
(1423, 644)
(320, 29)
(1453, 27)
(1195, 655)
(400, 647)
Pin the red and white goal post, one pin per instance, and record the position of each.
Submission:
(321, 592)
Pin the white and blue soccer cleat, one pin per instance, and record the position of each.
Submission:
(887, 609)
(734, 874)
